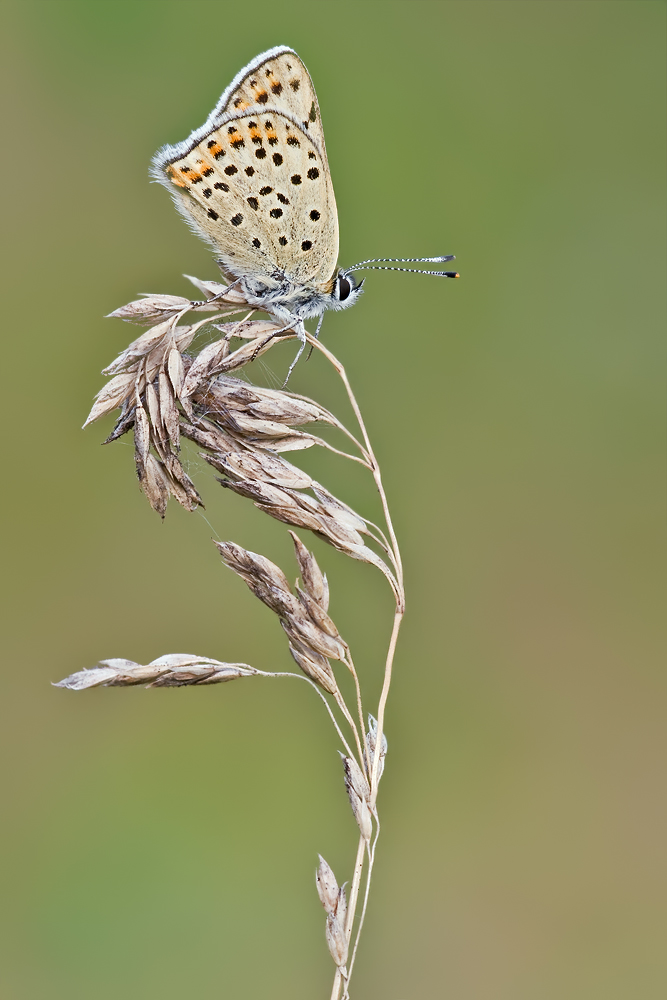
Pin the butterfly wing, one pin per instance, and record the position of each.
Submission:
(258, 189)
(254, 179)
(276, 79)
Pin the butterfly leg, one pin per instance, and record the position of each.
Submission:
(276, 333)
(317, 333)
(300, 331)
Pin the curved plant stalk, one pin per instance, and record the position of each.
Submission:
(164, 394)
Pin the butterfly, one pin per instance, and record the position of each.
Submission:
(254, 182)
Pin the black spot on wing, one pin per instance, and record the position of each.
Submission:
(306, 245)
(231, 170)
(252, 202)
(283, 241)
(260, 153)
(277, 159)
(314, 215)
(295, 178)
(313, 174)
(236, 220)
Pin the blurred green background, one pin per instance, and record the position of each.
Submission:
(163, 843)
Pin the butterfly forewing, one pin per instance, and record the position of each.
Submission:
(282, 82)
(258, 187)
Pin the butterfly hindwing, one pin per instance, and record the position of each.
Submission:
(258, 188)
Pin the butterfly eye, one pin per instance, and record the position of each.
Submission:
(343, 288)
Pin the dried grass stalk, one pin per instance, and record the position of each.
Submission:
(164, 394)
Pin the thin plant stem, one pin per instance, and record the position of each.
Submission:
(360, 709)
(352, 905)
(345, 454)
(299, 677)
(371, 862)
(398, 617)
(340, 701)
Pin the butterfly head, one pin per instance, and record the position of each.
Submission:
(345, 291)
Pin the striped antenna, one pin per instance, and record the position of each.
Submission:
(367, 265)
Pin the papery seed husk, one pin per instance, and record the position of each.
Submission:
(339, 535)
(339, 510)
(361, 813)
(155, 485)
(248, 329)
(292, 515)
(111, 396)
(142, 433)
(258, 427)
(204, 364)
(252, 350)
(213, 289)
(312, 669)
(262, 493)
(150, 307)
(355, 777)
(341, 906)
(312, 577)
(317, 613)
(183, 336)
(252, 563)
(313, 637)
(327, 886)
(270, 404)
(153, 404)
(298, 442)
(178, 473)
(371, 740)
(123, 424)
(180, 676)
(123, 673)
(168, 411)
(265, 467)
(336, 940)
(175, 369)
(142, 346)
(208, 435)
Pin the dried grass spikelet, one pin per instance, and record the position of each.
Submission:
(359, 795)
(173, 670)
(313, 579)
(329, 518)
(327, 886)
(151, 374)
(310, 645)
(334, 901)
(371, 743)
(261, 417)
(336, 940)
